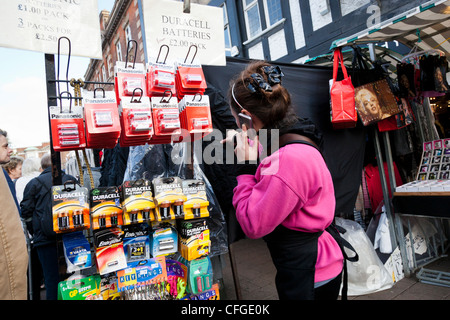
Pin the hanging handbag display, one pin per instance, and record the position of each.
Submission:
(342, 93)
(404, 118)
(375, 102)
(433, 69)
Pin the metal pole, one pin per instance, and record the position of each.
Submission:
(393, 184)
(387, 200)
(51, 92)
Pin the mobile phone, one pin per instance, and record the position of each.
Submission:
(247, 120)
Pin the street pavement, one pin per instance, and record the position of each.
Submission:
(255, 273)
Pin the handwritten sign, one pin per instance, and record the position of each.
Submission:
(167, 24)
(37, 25)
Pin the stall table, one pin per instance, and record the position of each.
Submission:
(434, 205)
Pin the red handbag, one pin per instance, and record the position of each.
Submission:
(343, 110)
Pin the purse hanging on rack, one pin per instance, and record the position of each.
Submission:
(342, 93)
(400, 120)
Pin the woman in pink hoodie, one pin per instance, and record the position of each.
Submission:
(285, 191)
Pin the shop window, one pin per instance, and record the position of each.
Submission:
(252, 18)
(254, 24)
(226, 29)
(105, 78)
(119, 51)
(128, 36)
(273, 11)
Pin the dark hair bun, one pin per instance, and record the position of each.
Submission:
(270, 102)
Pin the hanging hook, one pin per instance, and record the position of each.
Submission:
(418, 35)
(197, 94)
(68, 62)
(70, 100)
(164, 95)
(187, 6)
(128, 50)
(66, 188)
(196, 49)
(160, 48)
(132, 96)
(100, 89)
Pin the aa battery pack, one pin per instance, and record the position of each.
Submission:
(137, 201)
(169, 198)
(194, 238)
(70, 208)
(106, 209)
(196, 205)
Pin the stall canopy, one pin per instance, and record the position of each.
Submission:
(426, 26)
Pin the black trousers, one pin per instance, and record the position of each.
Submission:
(294, 255)
(330, 290)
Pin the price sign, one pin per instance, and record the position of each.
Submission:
(37, 26)
(167, 24)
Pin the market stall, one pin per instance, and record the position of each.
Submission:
(424, 29)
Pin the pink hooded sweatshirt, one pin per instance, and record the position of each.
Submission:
(292, 187)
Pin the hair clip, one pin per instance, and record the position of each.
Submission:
(260, 82)
(274, 74)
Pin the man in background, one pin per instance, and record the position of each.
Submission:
(13, 247)
(36, 209)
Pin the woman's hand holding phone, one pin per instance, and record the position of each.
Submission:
(244, 150)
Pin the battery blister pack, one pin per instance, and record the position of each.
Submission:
(127, 78)
(70, 207)
(163, 239)
(195, 115)
(80, 289)
(160, 78)
(136, 120)
(67, 128)
(166, 120)
(196, 205)
(102, 119)
(109, 251)
(194, 238)
(77, 251)
(169, 198)
(189, 78)
(106, 208)
(141, 273)
(136, 242)
(137, 201)
(200, 275)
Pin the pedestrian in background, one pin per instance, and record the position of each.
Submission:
(31, 168)
(14, 168)
(37, 212)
